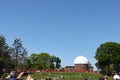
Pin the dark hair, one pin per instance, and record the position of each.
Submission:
(85, 79)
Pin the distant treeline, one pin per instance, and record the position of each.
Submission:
(16, 56)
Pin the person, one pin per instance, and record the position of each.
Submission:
(13, 75)
(20, 75)
(105, 77)
(101, 78)
(86, 79)
(29, 77)
(116, 77)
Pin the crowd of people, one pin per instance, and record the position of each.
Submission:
(103, 77)
(14, 75)
(115, 77)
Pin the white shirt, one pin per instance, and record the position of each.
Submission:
(116, 77)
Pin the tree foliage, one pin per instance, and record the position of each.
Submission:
(19, 54)
(108, 57)
(9, 55)
(44, 61)
(5, 59)
(16, 56)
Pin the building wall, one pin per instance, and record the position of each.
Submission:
(81, 67)
(90, 69)
(70, 68)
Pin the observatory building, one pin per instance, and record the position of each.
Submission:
(81, 63)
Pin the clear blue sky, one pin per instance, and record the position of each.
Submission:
(64, 28)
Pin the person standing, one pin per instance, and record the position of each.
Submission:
(116, 77)
(13, 75)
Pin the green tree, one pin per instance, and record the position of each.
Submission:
(19, 54)
(43, 61)
(56, 62)
(108, 56)
(32, 61)
(39, 61)
(5, 59)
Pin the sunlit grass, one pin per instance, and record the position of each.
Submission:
(66, 76)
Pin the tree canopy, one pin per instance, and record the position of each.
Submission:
(43, 61)
(5, 59)
(108, 57)
(19, 54)
(16, 56)
(11, 56)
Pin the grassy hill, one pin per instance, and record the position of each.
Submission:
(67, 76)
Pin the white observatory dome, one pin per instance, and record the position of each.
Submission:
(80, 60)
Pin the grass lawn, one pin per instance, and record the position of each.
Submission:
(66, 76)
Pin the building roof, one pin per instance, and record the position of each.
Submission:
(80, 60)
(70, 67)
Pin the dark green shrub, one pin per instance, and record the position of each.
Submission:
(4, 75)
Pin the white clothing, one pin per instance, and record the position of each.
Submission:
(116, 77)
